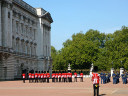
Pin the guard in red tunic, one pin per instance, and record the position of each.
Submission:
(75, 76)
(36, 77)
(48, 76)
(95, 80)
(56, 77)
(39, 77)
(42, 76)
(65, 77)
(62, 76)
(53, 76)
(33, 76)
(45, 76)
(81, 76)
(59, 76)
(23, 75)
(30, 77)
(70, 77)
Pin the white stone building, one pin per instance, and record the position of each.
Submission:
(25, 39)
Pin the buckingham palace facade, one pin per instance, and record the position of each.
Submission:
(25, 39)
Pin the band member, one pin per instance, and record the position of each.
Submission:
(33, 76)
(36, 77)
(95, 79)
(75, 76)
(39, 77)
(59, 76)
(48, 76)
(42, 76)
(70, 77)
(56, 77)
(45, 76)
(23, 75)
(81, 76)
(30, 77)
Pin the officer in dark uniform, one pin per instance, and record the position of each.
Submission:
(101, 76)
(114, 77)
(118, 76)
(104, 78)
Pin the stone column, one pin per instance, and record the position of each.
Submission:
(121, 71)
(10, 31)
(112, 70)
(4, 23)
(0, 27)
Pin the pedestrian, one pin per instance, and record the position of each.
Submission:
(95, 79)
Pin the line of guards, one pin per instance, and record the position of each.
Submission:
(56, 77)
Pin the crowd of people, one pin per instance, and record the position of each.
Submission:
(56, 77)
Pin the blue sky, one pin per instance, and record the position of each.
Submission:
(73, 16)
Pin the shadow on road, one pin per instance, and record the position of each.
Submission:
(102, 95)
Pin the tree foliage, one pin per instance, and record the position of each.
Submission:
(104, 50)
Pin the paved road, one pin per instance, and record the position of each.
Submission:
(17, 88)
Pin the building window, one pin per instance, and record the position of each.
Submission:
(22, 28)
(17, 27)
(34, 34)
(8, 14)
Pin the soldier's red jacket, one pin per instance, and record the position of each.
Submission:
(36, 75)
(39, 75)
(42, 75)
(33, 76)
(75, 74)
(95, 78)
(59, 75)
(45, 75)
(30, 75)
(23, 75)
(65, 75)
(56, 75)
(53, 75)
(81, 74)
(48, 75)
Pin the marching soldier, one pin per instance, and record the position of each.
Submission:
(75, 78)
(33, 76)
(48, 76)
(95, 79)
(42, 76)
(23, 75)
(30, 77)
(53, 76)
(63, 76)
(39, 77)
(81, 76)
(59, 76)
(56, 77)
(36, 77)
(45, 76)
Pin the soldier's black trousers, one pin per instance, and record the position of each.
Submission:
(96, 89)
(23, 80)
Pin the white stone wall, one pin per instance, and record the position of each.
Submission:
(26, 36)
